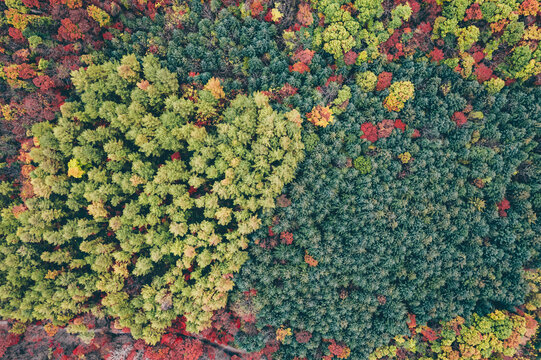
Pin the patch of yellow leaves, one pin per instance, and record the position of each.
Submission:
(215, 88)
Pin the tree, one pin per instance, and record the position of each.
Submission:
(136, 203)
(407, 229)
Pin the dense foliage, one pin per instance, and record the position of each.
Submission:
(481, 337)
(264, 179)
(243, 51)
(137, 204)
(498, 334)
(414, 227)
(479, 39)
(41, 43)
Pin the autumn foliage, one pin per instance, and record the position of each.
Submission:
(262, 179)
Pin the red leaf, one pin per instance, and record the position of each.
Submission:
(268, 17)
(412, 323)
(504, 205)
(478, 56)
(370, 132)
(304, 16)
(473, 13)
(436, 55)
(459, 118)
(287, 238)
(256, 8)
(429, 334)
(384, 80)
(26, 71)
(16, 34)
(350, 57)
(299, 67)
(483, 73)
(44, 82)
(415, 7)
(400, 125)
(304, 56)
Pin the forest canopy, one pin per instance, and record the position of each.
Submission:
(264, 179)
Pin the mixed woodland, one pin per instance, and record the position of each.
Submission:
(264, 179)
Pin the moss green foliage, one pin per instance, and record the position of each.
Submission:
(399, 14)
(337, 40)
(369, 11)
(494, 85)
(399, 93)
(513, 32)
(344, 94)
(310, 141)
(343, 31)
(404, 238)
(533, 300)
(467, 36)
(366, 80)
(363, 164)
(153, 220)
